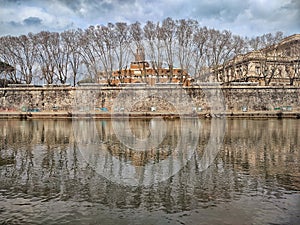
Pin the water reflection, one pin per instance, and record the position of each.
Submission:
(46, 177)
(120, 155)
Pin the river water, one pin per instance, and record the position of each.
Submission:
(237, 171)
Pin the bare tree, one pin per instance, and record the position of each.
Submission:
(296, 65)
(167, 33)
(71, 39)
(292, 52)
(122, 47)
(45, 43)
(25, 52)
(265, 40)
(5, 71)
(19, 52)
(7, 56)
(185, 37)
(255, 43)
(268, 66)
(200, 39)
(137, 35)
(61, 52)
(106, 47)
(270, 61)
(99, 47)
(218, 50)
(154, 43)
(103, 49)
(235, 47)
(89, 57)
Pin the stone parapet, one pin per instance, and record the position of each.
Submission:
(236, 98)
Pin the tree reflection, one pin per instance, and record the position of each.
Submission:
(41, 158)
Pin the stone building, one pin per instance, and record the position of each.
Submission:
(142, 71)
(277, 64)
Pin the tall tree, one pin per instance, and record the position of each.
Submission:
(137, 35)
(154, 44)
(185, 37)
(71, 39)
(61, 53)
(200, 39)
(7, 56)
(122, 44)
(219, 50)
(168, 35)
(46, 51)
(88, 56)
(265, 40)
(25, 52)
(99, 49)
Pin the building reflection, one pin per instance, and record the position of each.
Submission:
(42, 159)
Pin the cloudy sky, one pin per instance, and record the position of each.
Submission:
(244, 17)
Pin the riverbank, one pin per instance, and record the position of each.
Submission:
(267, 100)
(108, 115)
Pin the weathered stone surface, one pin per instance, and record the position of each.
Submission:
(85, 99)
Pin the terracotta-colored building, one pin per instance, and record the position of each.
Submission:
(142, 71)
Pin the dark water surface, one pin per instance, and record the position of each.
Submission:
(57, 172)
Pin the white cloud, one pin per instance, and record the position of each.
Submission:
(248, 17)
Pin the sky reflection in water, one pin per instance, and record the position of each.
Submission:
(46, 178)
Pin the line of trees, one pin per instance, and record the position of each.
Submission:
(51, 57)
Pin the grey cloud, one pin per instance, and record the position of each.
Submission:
(107, 6)
(6, 2)
(32, 21)
(13, 3)
(219, 9)
(244, 16)
(73, 4)
(12, 23)
(293, 24)
(92, 7)
(294, 5)
(16, 28)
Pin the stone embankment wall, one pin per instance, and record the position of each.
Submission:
(18, 99)
(140, 99)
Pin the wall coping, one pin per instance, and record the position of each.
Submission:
(147, 87)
